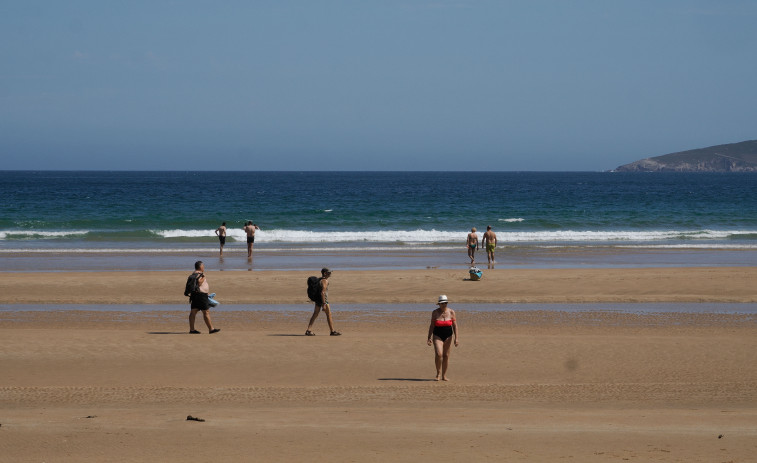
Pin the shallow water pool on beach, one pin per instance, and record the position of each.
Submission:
(625, 308)
(372, 259)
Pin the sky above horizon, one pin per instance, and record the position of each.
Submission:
(390, 85)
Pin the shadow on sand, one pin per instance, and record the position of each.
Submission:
(406, 379)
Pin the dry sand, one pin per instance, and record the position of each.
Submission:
(97, 386)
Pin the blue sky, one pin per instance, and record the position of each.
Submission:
(371, 85)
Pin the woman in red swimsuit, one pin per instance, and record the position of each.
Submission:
(441, 332)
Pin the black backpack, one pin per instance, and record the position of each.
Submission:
(314, 288)
(191, 286)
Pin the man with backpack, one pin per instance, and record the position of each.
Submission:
(318, 292)
(197, 289)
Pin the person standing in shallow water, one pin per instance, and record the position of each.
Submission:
(249, 230)
(221, 234)
(472, 244)
(490, 243)
(441, 333)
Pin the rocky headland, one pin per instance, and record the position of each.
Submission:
(733, 157)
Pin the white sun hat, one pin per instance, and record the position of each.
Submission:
(442, 299)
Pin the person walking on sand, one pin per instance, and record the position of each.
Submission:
(490, 243)
(199, 300)
(321, 299)
(221, 234)
(441, 332)
(249, 230)
(472, 243)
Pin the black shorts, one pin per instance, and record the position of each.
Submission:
(222, 239)
(199, 301)
(250, 239)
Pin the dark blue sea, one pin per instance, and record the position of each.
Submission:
(378, 213)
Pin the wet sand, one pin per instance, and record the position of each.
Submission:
(269, 257)
(89, 386)
(699, 284)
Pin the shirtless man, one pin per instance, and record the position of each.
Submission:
(249, 229)
(322, 301)
(489, 242)
(472, 243)
(221, 234)
(199, 301)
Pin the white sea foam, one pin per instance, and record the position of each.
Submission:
(563, 236)
(191, 233)
(438, 236)
(682, 238)
(512, 220)
(22, 234)
(305, 236)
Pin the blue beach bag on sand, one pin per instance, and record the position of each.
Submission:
(475, 273)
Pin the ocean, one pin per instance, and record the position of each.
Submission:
(161, 220)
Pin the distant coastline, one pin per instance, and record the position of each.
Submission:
(732, 157)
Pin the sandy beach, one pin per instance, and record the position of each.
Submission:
(695, 284)
(599, 386)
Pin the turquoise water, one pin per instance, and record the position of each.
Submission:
(123, 211)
